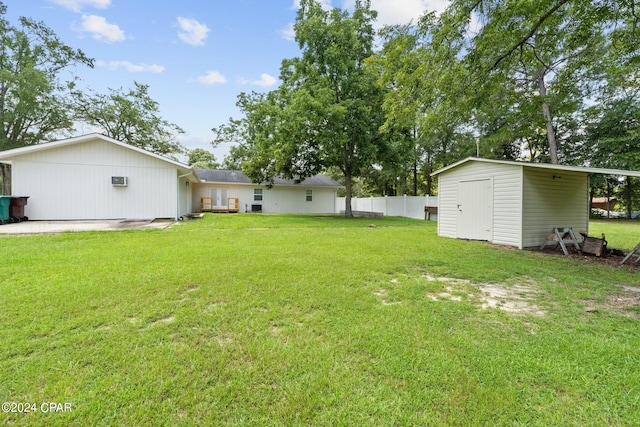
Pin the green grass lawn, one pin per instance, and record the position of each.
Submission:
(313, 320)
(620, 233)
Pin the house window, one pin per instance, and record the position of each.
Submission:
(309, 195)
(257, 194)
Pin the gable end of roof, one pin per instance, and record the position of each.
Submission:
(8, 155)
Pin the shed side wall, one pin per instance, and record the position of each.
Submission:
(553, 202)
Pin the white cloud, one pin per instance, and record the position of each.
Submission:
(265, 80)
(390, 12)
(212, 78)
(100, 29)
(193, 32)
(77, 5)
(132, 68)
(394, 12)
(325, 4)
(288, 33)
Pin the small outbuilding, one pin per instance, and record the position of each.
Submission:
(97, 177)
(604, 203)
(514, 203)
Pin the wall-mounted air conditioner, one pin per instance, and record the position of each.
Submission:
(119, 181)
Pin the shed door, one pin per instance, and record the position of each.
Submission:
(475, 210)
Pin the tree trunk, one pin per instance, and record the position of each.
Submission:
(628, 195)
(5, 174)
(415, 163)
(608, 199)
(347, 199)
(546, 112)
(429, 178)
(415, 177)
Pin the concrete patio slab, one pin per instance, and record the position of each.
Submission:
(44, 227)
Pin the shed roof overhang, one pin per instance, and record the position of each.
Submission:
(549, 166)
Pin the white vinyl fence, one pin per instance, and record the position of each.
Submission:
(407, 206)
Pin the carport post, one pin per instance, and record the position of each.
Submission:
(178, 195)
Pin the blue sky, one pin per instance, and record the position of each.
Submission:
(195, 55)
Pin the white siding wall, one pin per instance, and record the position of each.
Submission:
(507, 193)
(280, 199)
(550, 203)
(447, 204)
(507, 206)
(293, 200)
(74, 182)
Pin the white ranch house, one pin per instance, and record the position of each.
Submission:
(514, 203)
(97, 177)
(313, 195)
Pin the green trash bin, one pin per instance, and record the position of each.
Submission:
(5, 201)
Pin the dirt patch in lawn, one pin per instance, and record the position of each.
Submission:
(167, 319)
(383, 294)
(513, 298)
(625, 302)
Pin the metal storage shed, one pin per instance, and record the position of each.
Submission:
(513, 203)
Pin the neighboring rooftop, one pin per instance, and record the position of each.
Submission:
(604, 200)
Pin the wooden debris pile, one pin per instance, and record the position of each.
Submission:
(593, 245)
(631, 254)
(598, 247)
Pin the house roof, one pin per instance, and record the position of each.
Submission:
(195, 175)
(237, 177)
(8, 155)
(549, 166)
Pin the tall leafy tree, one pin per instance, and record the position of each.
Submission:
(200, 158)
(531, 64)
(327, 111)
(34, 97)
(130, 116)
(545, 51)
(421, 72)
(254, 135)
(394, 64)
(613, 139)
